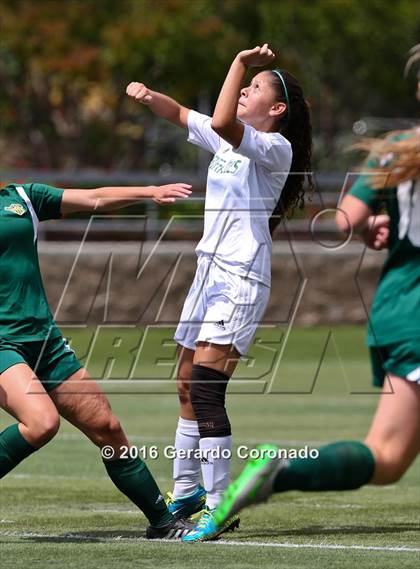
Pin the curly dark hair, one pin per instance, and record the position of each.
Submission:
(295, 125)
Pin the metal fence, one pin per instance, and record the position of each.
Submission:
(152, 222)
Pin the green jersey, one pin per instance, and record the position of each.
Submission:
(24, 311)
(395, 312)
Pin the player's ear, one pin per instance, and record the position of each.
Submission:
(277, 109)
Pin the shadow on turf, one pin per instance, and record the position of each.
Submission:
(91, 537)
(88, 537)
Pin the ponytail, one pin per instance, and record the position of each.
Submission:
(397, 154)
(295, 125)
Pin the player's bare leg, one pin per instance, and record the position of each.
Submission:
(188, 495)
(23, 396)
(81, 401)
(394, 436)
(213, 365)
(222, 358)
(392, 444)
(183, 380)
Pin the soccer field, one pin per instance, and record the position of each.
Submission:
(59, 509)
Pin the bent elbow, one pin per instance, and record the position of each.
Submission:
(215, 126)
(343, 222)
(218, 126)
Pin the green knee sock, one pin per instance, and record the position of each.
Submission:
(340, 466)
(132, 477)
(13, 449)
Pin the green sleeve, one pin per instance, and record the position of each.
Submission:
(46, 200)
(373, 198)
(364, 192)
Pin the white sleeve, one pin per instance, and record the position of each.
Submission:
(200, 132)
(270, 149)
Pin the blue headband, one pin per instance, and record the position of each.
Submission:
(286, 94)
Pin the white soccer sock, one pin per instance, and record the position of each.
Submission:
(215, 467)
(186, 470)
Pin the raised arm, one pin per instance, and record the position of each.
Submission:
(161, 105)
(111, 198)
(224, 120)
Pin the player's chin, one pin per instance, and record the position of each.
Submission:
(241, 112)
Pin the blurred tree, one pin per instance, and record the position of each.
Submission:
(64, 66)
(350, 55)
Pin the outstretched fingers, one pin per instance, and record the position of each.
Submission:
(171, 192)
(181, 189)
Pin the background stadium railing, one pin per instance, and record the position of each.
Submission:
(154, 219)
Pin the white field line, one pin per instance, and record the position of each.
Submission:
(318, 546)
(232, 543)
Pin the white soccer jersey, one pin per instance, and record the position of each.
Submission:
(243, 187)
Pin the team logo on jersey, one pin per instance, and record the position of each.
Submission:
(16, 208)
(221, 166)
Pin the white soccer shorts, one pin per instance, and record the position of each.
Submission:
(221, 308)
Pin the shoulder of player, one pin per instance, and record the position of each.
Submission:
(10, 186)
(13, 187)
(275, 139)
(195, 117)
(278, 138)
(28, 187)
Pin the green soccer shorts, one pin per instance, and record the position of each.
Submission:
(53, 361)
(400, 358)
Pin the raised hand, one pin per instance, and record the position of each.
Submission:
(257, 57)
(139, 92)
(170, 192)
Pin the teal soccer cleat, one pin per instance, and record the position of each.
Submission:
(187, 505)
(207, 530)
(254, 484)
